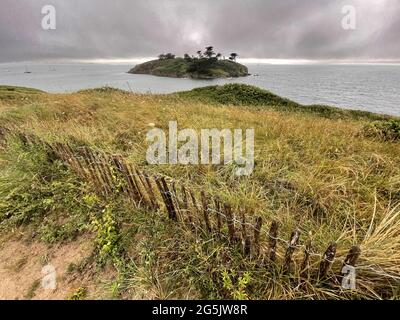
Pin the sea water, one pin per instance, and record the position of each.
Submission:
(374, 88)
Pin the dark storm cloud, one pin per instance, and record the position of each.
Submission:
(285, 29)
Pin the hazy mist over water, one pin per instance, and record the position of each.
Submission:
(374, 88)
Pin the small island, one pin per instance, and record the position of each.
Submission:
(206, 65)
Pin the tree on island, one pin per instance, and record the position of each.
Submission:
(233, 56)
(209, 55)
(167, 56)
(187, 57)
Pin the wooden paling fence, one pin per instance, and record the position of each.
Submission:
(258, 240)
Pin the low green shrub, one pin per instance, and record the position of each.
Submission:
(388, 130)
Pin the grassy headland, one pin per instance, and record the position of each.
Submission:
(317, 168)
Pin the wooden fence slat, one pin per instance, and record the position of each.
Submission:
(82, 168)
(351, 260)
(176, 200)
(206, 212)
(168, 198)
(92, 173)
(145, 193)
(51, 153)
(98, 165)
(162, 192)
(152, 194)
(194, 202)
(120, 165)
(293, 242)
(352, 256)
(245, 237)
(68, 155)
(272, 241)
(230, 223)
(116, 166)
(218, 215)
(133, 174)
(197, 208)
(98, 176)
(257, 233)
(104, 163)
(186, 208)
(304, 269)
(327, 260)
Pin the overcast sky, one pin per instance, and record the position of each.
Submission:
(269, 29)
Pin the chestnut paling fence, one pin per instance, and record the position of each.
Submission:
(258, 240)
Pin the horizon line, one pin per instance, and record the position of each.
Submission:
(270, 61)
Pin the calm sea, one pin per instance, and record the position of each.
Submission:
(373, 88)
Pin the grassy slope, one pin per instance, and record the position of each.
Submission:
(178, 68)
(319, 172)
(245, 95)
(10, 92)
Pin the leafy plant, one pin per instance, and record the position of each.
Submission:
(237, 290)
(388, 130)
(79, 294)
(107, 235)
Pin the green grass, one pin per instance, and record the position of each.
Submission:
(246, 95)
(315, 171)
(79, 294)
(388, 130)
(32, 290)
(12, 92)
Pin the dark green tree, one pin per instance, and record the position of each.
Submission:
(233, 56)
(169, 56)
(209, 53)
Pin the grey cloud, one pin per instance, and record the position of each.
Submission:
(292, 29)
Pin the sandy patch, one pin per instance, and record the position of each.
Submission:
(21, 266)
